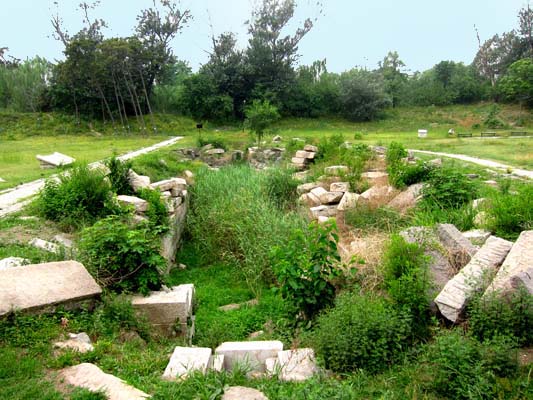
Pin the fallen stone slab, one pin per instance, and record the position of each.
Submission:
(38, 287)
(318, 192)
(331, 197)
(80, 342)
(407, 199)
(54, 160)
(236, 306)
(309, 200)
(169, 312)
(293, 365)
(45, 245)
(298, 161)
(64, 241)
(243, 393)
(375, 177)
(138, 182)
(169, 184)
(139, 205)
(323, 211)
(252, 354)
(336, 169)
(348, 201)
(339, 187)
(305, 154)
(311, 148)
(306, 187)
(377, 196)
(516, 269)
(477, 236)
(12, 262)
(213, 152)
(455, 296)
(90, 377)
(459, 248)
(185, 360)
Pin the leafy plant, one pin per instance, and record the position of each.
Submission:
(119, 175)
(305, 267)
(361, 332)
(79, 197)
(448, 188)
(157, 212)
(259, 117)
(120, 256)
(493, 121)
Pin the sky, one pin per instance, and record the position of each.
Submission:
(347, 33)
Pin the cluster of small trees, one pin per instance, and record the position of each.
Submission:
(112, 79)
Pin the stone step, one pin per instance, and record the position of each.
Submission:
(455, 296)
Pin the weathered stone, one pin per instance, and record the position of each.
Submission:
(331, 197)
(216, 363)
(139, 205)
(459, 248)
(455, 296)
(169, 184)
(379, 149)
(213, 152)
(255, 335)
(519, 261)
(44, 245)
(311, 148)
(306, 187)
(304, 154)
(298, 161)
(78, 342)
(185, 360)
(375, 177)
(478, 203)
(40, 286)
(377, 196)
(294, 365)
(277, 138)
(325, 211)
(236, 306)
(171, 240)
(138, 182)
(90, 377)
(348, 201)
(243, 393)
(523, 279)
(64, 241)
(252, 354)
(54, 160)
(12, 262)
(318, 192)
(336, 169)
(436, 162)
(407, 199)
(477, 236)
(189, 175)
(168, 312)
(339, 187)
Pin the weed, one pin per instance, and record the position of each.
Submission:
(119, 175)
(157, 212)
(365, 218)
(280, 187)
(448, 188)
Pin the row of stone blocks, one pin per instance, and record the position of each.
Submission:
(258, 357)
(302, 158)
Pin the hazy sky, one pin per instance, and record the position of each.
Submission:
(349, 33)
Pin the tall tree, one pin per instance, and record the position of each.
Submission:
(525, 17)
(391, 68)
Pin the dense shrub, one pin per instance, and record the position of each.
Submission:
(361, 332)
(493, 315)
(119, 175)
(305, 266)
(462, 368)
(511, 214)
(448, 188)
(280, 187)
(121, 256)
(402, 174)
(406, 278)
(78, 198)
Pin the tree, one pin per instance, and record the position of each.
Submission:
(395, 79)
(260, 115)
(203, 101)
(525, 18)
(517, 84)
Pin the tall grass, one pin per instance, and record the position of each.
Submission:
(231, 219)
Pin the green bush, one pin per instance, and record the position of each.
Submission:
(361, 332)
(217, 142)
(493, 315)
(119, 175)
(157, 212)
(448, 188)
(511, 214)
(79, 198)
(462, 368)
(122, 256)
(395, 153)
(406, 278)
(280, 187)
(305, 266)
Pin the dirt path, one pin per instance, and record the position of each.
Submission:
(14, 199)
(523, 173)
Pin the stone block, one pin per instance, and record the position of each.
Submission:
(252, 354)
(304, 154)
(138, 182)
(54, 160)
(78, 342)
(348, 201)
(169, 312)
(294, 365)
(298, 161)
(171, 240)
(323, 211)
(213, 152)
(375, 178)
(318, 192)
(459, 248)
(306, 187)
(516, 269)
(243, 393)
(64, 241)
(169, 184)
(90, 377)
(331, 197)
(477, 236)
(407, 199)
(336, 170)
(339, 187)
(39, 287)
(455, 296)
(311, 148)
(139, 205)
(377, 196)
(44, 245)
(185, 360)
(12, 262)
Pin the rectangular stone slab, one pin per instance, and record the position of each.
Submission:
(514, 270)
(452, 300)
(459, 247)
(38, 286)
(185, 360)
(252, 354)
